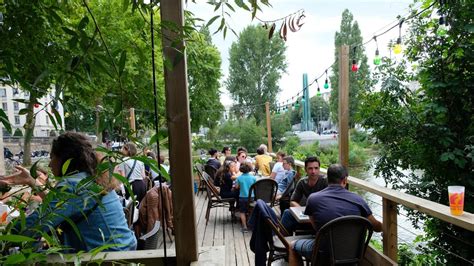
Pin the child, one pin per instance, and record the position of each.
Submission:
(244, 182)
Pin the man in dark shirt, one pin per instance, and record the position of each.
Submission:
(328, 204)
(213, 161)
(312, 183)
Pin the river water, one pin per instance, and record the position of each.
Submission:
(406, 231)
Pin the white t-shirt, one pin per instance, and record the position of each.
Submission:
(127, 166)
(279, 170)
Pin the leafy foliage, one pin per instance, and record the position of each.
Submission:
(256, 65)
(428, 125)
(349, 34)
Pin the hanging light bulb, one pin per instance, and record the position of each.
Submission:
(319, 90)
(397, 48)
(36, 105)
(302, 99)
(297, 104)
(443, 27)
(377, 59)
(326, 84)
(355, 67)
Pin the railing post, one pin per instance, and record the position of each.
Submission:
(390, 234)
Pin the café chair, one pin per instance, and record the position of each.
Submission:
(150, 239)
(200, 169)
(214, 198)
(211, 171)
(344, 241)
(264, 189)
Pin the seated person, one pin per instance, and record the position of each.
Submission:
(225, 180)
(96, 225)
(262, 162)
(226, 152)
(244, 182)
(278, 171)
(213, 161)
(326, 205)
(314, 182)
(288, 165)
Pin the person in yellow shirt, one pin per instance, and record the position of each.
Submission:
(262, 162)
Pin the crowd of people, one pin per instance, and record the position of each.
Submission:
(324, 197)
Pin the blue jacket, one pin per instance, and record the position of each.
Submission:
(105, 222)
(262, 234)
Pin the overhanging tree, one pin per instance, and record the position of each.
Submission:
(349, 34)
(256, 65)
(430, 126)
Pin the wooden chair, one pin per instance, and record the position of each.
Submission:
(264, 189)
(280, 245)
(200, 169)
(211, 171)
(346, 239)
(214, 199)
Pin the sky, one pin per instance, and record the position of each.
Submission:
(311, 49)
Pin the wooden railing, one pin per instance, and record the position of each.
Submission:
(390, 201)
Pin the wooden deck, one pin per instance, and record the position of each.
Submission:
(220, 231)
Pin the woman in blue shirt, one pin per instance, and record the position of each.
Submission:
(94, 209)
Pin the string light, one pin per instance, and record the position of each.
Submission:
(397, 48)
(354, 67)
(319, 90)
(377, 58)
(326, 85)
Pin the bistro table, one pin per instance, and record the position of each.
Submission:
(298, 214)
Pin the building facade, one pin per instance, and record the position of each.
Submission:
(43, 126)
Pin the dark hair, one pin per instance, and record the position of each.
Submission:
(151, 155)
(212, 151)
(311, 159)
(240, 152)
(131, 148)
(231, 158)
(239, 149)
(245, 167)
(226, 148)
(336, 173)
(260, 151)
(75, 146)
(289, 160)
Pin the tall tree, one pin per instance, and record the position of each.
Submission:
(204, 72)
(349, 34)
(256, 65)
(429, 126)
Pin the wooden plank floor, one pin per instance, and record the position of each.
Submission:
(221, 231)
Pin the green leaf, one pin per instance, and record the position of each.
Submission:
(209, 23)
(15, 259)
(33, 169)
(25, 101)
(5, 122)
(123, 58)
(51, 118)
(16, 238)
(83, 23)
(57, 116)
(65, 166)
(230, 7)
(23, 111)
(73, 63)
(69, 31)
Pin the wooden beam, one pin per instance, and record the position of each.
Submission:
(376, 258)
(390, 232)
(466, 220)
(344, 105)
(269, 127)
(177, 106)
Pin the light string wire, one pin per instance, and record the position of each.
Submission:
(286, 103)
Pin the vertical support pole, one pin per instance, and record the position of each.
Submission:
(344, 105)
(2, 158)
(177, 106)
(305, 124)
(132, 120)
(269, 127)
(390, 241)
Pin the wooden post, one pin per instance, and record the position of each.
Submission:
(269, 127)
(177, 107)
(2, 158)
(132, 120)
(390, 241)
(344, 105)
